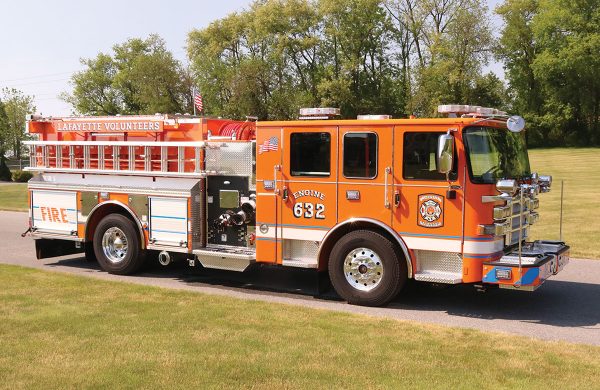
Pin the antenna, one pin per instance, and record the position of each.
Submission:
(562, 188)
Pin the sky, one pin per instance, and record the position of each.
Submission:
(42, 41)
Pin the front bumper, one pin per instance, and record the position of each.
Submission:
(539, 260)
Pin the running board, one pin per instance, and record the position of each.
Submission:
(229, 259)
(439, 277)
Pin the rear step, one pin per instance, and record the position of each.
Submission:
(226, 258)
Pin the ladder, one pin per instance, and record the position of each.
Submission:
(169, 159)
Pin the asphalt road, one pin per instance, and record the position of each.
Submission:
(566, 308)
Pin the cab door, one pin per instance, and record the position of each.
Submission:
(427, 207)
(365, 167)
(309, 194)
(268, 194)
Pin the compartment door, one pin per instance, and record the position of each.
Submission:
(169, 221)
(54, 211)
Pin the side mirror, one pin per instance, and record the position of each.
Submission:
(445, 153)
(515, 124)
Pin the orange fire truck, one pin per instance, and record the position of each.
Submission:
(374, 201)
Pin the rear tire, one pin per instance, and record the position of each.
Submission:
(117, 245)
(365, 268)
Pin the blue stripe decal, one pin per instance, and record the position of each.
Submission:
(482, 238)
(169, 217)
(167, 231)
(37, 207)
(428, 235)
(43, 220)
(268, 239)
(490, 277)
(295, 226)
(482, 255)
(529, 276)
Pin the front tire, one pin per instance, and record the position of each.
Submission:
(117, 245)
(365, 268)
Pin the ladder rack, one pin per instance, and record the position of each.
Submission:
(171, 159)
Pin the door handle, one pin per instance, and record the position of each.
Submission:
(396, 198)
(386, 199)
(276, 168)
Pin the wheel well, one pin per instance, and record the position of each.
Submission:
(104, 209)
(340, 231)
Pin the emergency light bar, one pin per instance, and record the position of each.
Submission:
(373, 117)
(319, 113)
(461, 109)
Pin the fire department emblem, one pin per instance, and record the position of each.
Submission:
(431, 211)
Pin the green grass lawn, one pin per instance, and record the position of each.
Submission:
(63, 331)
(580, 170)
(13, 196)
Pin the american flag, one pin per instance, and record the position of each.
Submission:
(269, 144)
(198, 102)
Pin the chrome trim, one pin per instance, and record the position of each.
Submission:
(496, 229)
(386, 199)
(116, 189)
(363, 269)
(54, 236)
(299, 264)
(509, 187)
(200, 175)
(379, 224)
(195, 144)
(496, 198)
(115, 245)
(168, 248)
(502, 212)
(131, 213)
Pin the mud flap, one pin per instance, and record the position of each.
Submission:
(45, 249)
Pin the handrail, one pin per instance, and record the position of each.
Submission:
(197, 144)
(122, 157)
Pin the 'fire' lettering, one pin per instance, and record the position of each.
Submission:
(52, 214)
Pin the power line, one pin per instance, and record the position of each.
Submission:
(37, 83)
(36, 77)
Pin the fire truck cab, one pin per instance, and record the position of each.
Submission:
(373, 201)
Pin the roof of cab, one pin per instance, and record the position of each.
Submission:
(383, 122)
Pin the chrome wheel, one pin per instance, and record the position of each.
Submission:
(114, 245)
(363, 269)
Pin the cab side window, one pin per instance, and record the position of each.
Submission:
(310, 154)
(360, 155)
(420, 157)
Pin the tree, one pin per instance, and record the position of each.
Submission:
(366, 56)
(360, 76)
(140, 77)
(568, 66)
(452, 42)
(4, 171)
(17, 106)
(550, 50)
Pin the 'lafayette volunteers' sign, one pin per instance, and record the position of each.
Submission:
(119, 126)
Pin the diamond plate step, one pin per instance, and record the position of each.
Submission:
(439, 277)
(229, 259)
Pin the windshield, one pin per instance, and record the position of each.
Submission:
(496, 154)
